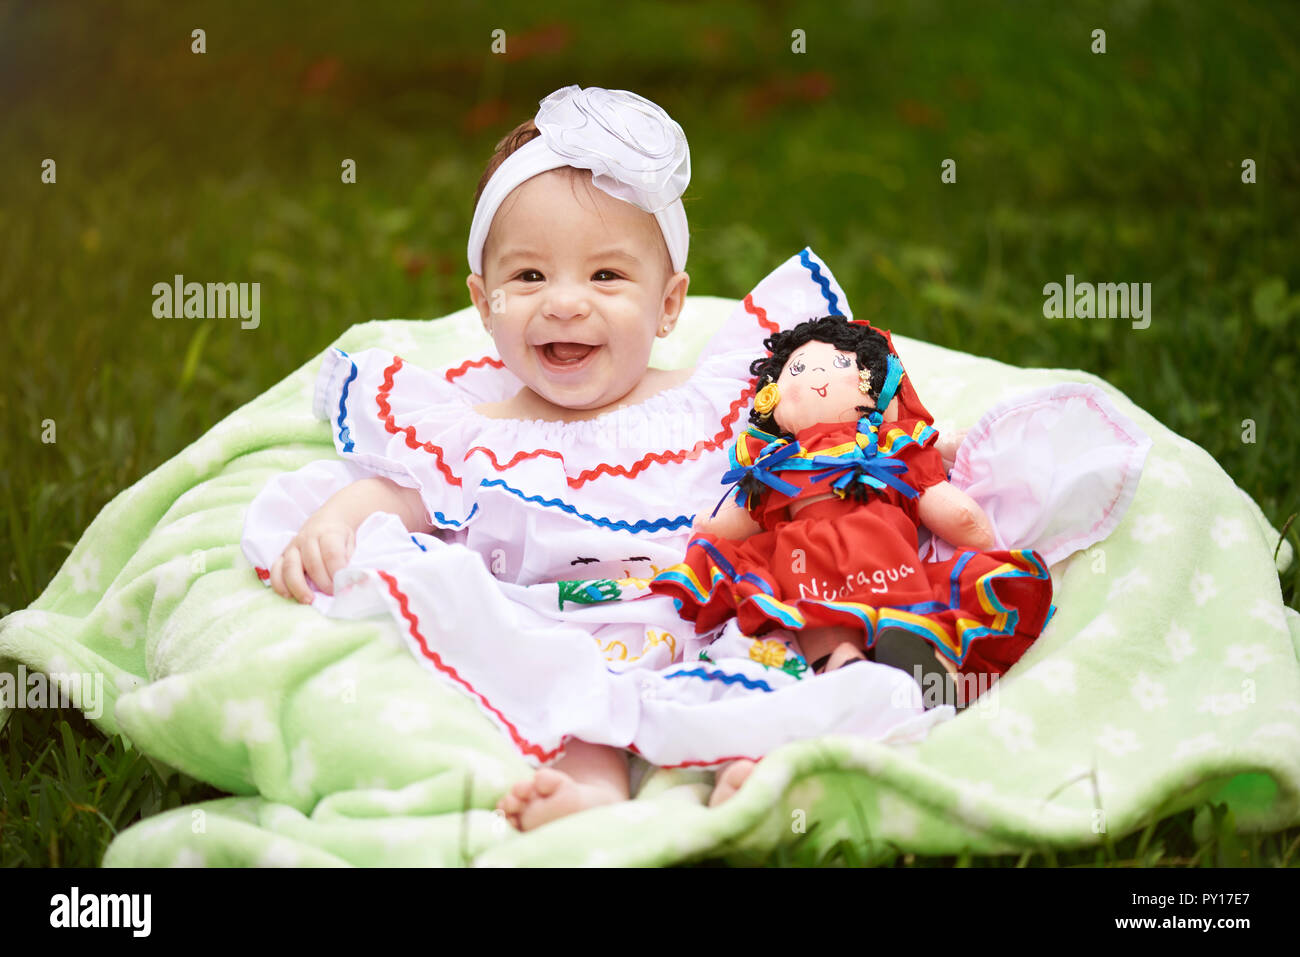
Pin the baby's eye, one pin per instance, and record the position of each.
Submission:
(527, 272)
(796, 367)
(605, 272)
(842, 361)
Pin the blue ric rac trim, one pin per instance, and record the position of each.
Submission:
(832, 300)
(444, 520)
(345, 433)
(681, 521)
(417, 544)
(730, 679)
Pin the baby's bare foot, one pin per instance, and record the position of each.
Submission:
(730, 779)
(552, 794)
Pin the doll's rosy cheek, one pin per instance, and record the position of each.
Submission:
(779, 419)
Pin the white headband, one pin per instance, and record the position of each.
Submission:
(635, 150)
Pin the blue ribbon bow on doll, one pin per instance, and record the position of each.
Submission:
(769, 457)
(865, 466)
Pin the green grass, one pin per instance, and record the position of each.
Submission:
(66, 791)
(1116, 167)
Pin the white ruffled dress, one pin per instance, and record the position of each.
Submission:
(533, 598)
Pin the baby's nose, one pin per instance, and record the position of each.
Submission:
(567, 304)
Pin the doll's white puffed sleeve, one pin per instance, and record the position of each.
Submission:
(1054, 469)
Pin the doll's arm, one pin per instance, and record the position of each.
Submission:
(948, 443)
(731, 522)
(955, 517)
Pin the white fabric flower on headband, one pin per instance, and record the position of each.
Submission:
(635, 151)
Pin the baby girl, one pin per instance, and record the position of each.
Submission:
(509, 512)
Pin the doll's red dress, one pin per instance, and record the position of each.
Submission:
(841, 561)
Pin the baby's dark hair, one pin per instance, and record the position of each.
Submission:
(871, 348)
(521, 134)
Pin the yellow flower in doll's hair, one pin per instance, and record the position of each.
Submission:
(767, 398)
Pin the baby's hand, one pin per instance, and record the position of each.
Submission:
(323, 546)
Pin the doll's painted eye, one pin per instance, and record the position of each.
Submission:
(842, 361)
(796, 367)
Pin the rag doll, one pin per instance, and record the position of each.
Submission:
(833, 478)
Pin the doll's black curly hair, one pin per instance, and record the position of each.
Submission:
(871, 348)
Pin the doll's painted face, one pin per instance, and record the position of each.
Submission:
(819, 384)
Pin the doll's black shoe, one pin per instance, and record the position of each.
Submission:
(908, 652)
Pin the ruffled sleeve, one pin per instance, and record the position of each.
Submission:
(403, 422)
(1055, 469)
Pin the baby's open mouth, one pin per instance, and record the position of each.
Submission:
(566, 355)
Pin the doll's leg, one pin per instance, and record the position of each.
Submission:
(587, 776)
(939, 678)
(837, 644)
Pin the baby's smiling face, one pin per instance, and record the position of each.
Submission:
(576, 286)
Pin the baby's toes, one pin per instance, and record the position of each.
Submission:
(517, 798)
(547, 781)
(737, 773)
(730, 780)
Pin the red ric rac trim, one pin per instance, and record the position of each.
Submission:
(704, 445)
(472, 363)
(724, 433)
(759, 313)
(521, 742)
(262, 573)
(386, 416)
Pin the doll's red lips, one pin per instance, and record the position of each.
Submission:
(820, 390)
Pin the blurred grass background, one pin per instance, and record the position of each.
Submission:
(225, 166)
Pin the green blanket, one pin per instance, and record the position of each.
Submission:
(1168, 677)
